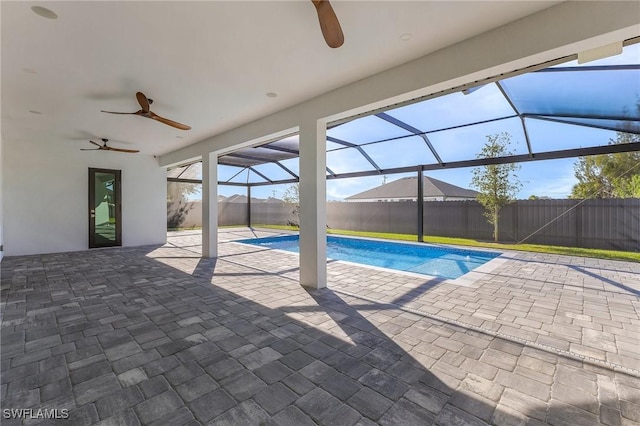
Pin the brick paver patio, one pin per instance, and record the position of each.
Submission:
(158, 335)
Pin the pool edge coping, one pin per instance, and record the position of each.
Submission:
(465, 280)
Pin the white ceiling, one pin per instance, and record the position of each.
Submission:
(205, 64)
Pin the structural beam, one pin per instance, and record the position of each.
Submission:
(359, 148)
(585, 116)
(629, 129)
(275, 182)
(241, 170)
(210, 205)
(181, 180)
(548, 155)
(281, 149)
(522, 158)
(460, 126)
(260, 174)
(522, 122)
(313, 204)
(390, 119)
(286, 169)
(591, 68)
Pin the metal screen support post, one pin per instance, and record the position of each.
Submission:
(249, 206)
(420, 205)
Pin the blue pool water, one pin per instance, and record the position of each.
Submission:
(436, 261)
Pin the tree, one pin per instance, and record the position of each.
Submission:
(292, 196)
(498, 184)
(177, 206)
(609, 175)
(179, 191)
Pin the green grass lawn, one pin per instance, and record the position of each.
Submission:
(538, 248)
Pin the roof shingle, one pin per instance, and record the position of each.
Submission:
(408, 188)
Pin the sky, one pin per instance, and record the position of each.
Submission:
(551, 178)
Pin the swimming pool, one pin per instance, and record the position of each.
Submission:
(445, 262)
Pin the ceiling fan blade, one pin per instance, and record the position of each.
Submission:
(114, 112)
(95, 143)
(169, 122)
(143, 101)
(145, 112)
(122, 149)
(89, 149)
(329, 24)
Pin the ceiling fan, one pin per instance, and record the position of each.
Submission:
(104, 147)
(329, 23)
(147, 113)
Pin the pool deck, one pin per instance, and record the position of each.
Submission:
(158, 335)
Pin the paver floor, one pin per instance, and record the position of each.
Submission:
(158, 335)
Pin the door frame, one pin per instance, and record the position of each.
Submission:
(118, 207)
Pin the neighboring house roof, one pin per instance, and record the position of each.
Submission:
(408, 188)
(273, 200)
(236, 198)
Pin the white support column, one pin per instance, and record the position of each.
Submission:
(210, 205)
(313, 204)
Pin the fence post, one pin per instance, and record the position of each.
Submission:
(578, 213)
(467, 231)
(515, 220)
(420, 205)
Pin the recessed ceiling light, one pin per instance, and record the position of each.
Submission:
(405, 36)
(271, 94)
(44, 12)
(34, 112)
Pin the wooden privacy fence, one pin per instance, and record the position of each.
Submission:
(607, 223)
